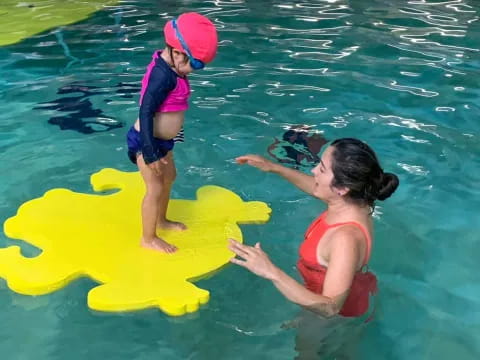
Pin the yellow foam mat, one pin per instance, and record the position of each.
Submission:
(22, 19)
(98, 236)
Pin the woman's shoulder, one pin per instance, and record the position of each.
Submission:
(349, 230)
(352, 236)
(349, 219)
(346, 229)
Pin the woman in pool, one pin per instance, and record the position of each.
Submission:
(337, 245)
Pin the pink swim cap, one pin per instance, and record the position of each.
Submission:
(198, 32)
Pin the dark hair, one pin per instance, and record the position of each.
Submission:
(356, 167)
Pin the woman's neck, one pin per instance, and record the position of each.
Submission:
(340, 208)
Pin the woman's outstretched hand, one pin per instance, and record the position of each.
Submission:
(253, 258)
(256, 161)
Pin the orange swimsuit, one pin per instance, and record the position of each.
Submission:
(364, 283)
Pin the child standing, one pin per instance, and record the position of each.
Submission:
(191, 42)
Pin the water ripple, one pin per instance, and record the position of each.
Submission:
(414, 169)
(410, 89)
(278, 89)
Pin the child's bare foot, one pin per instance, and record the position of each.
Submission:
(171, 225)
(159, 245)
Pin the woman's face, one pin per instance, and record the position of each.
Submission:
(323, 175)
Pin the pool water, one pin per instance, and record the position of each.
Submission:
(402, 76)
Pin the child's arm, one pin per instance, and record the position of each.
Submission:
(160, 82)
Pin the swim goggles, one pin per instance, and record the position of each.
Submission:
(194, 63)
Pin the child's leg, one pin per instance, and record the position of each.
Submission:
(155, 190)
(169, 177)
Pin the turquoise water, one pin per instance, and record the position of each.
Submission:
(401, 75)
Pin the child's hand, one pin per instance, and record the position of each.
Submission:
(256, 161)
(157, 166)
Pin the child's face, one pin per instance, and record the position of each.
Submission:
(182, 64)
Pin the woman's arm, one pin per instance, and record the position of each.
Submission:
(298, 294)
(340, 273)
(304, 182)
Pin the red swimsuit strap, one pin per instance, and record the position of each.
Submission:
(365, 233)
(320, 221)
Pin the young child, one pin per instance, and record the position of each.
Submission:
(298, 147)
(191, 42)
